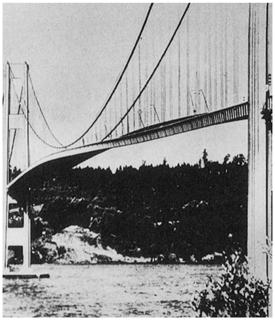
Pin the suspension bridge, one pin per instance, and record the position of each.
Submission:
(187, 74)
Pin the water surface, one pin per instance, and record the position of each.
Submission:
(107, 291)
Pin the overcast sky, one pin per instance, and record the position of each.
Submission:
(75, 53)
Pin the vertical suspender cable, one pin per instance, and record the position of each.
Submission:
(225, 62)
(235, 62)
(139, 86)
(170, 100)
(28, 116)
(153, 83)
(209, 97)
(146, 102)
(121, 111)
(215, 101)
(179, 75)
(205, 47)
(126, 96)
(221, 58)
(133, 94)
(198, 53)
(187, 66)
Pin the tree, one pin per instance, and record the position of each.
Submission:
(205, 157)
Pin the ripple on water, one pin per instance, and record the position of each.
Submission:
(107, 290)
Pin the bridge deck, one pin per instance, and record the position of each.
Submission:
(61, 161)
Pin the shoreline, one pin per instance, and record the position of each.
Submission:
(127, 263)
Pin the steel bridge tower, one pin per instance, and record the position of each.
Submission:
(17, 238)
(259, 141)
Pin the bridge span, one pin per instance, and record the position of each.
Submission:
(61, 161)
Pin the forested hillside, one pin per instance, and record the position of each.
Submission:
(188, 210)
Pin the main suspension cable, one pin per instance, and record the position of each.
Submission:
(42, 113)
(37, 135)
(28, 121)
(62, 146)
(118, 81)
(151, 75)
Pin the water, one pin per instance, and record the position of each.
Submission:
(107, 291)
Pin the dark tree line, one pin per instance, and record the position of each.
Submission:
(187, 210)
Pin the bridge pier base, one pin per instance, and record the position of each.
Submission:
(17, 239)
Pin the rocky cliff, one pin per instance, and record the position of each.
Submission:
(77, 245)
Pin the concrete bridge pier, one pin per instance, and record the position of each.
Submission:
(18, 238)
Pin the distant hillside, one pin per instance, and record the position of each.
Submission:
(188, 210)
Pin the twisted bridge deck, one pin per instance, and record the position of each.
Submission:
(185, 124)
(62, 161)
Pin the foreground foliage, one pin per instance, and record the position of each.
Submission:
(235, 293)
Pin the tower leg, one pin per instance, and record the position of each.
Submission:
(17, 238)
(258, 221)
(27, 241)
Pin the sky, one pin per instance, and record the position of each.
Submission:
(76, 52)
